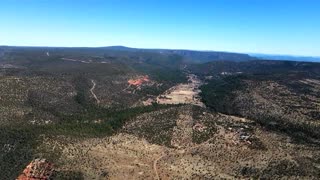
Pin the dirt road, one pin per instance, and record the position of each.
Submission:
(93, 94)
(75, 60)
(155, 169)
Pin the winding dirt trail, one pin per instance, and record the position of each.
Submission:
(93, 94)
(75, 60)
(155, 169)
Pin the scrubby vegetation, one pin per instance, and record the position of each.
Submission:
(76, 109)
(19, 142)
(156, 127)
(285, 103)
(47, 96)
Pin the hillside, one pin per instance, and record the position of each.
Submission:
(283, 96)
(122, 113)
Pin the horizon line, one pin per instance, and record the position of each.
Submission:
(181, 49)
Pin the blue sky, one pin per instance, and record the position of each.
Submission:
(257, 26)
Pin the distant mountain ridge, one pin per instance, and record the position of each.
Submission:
(191, 55)
(286, 57)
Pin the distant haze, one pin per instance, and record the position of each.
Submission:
(286, 57)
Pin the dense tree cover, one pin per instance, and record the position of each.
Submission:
(219, 94)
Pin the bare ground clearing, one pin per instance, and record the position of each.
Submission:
(183, 93)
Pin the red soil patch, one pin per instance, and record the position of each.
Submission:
(38, 169)
(139, 81)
